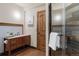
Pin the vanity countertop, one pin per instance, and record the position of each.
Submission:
(16, 36)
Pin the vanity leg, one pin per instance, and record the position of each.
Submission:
(9, 51)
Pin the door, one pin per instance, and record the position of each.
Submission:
(41, 30)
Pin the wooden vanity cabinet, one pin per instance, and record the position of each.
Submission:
(15, 43)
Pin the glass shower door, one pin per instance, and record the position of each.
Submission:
(57, 25)
(72, 29)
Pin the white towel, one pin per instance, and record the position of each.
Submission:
(54, 41)
(5, 42)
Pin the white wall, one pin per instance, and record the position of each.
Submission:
(32, 30)
(11, 13)
(47, 29)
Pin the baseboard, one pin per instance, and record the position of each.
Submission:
(33, 47)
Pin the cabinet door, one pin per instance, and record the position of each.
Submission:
(19, 42)
(23, 41)
(26, 40)
(13, 44)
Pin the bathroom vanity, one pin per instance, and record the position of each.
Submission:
(16, 42)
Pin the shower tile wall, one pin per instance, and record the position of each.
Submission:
(72, 29)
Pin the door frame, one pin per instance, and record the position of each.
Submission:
(37, 27)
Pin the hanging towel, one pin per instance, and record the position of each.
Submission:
(5, 42)
(54, 41)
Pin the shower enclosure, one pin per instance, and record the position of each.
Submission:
(65, 21)
(57, 25)
(72, 29)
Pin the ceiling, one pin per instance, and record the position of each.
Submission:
(27, 6)
(56, 6)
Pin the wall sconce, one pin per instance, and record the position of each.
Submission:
(17, 15)
(57, 17)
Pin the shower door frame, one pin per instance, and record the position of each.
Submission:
(50, 25)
